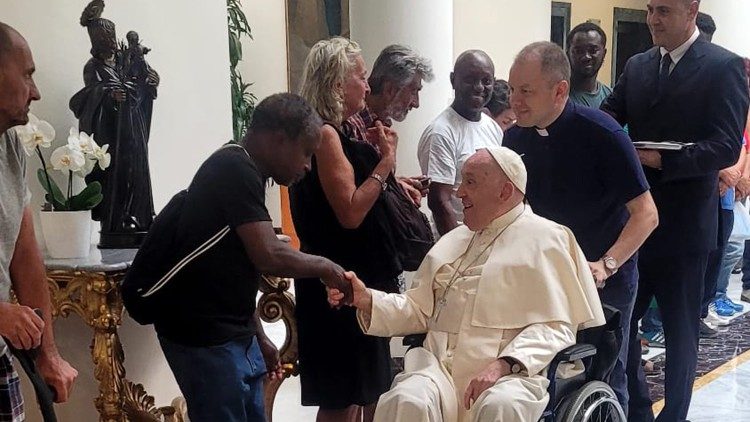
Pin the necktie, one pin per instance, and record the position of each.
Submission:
(666, 63)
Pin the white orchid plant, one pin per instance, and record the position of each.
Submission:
(78, 157)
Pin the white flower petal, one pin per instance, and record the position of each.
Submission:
(92, 142)
(104, 161)
(46, 134)
(66, 158)
(35, 133)
(27, 139)
(88, 166)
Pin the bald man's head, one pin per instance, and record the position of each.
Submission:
(17, 88)
(9, 39)
(473, 78)
(470, 57)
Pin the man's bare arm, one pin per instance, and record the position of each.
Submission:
(439, 200)
(643, 220)
(29, 281)
(275, 257)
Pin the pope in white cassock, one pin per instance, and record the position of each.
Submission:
(498, 299)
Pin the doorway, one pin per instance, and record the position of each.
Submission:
(631, 36)
(560, 24)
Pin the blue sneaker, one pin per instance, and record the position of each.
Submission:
(736, 306)
(721, 308)
(655, 338)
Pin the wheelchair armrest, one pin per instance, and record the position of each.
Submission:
(575, 352)
(570, 354)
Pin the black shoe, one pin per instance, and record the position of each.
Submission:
(706, 331)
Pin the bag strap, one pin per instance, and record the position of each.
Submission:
(200, 250)
(231, 145)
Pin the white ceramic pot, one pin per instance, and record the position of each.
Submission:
(67, 234)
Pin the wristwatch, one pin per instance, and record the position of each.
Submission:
(515, 366)
(610, 264)
(380, 180)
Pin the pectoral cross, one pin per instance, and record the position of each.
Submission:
(440, 305)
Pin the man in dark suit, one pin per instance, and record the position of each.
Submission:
(686, 90)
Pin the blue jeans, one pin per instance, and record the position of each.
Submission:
(732, 255)
(715, 258)
(651, 321)
(220, 383)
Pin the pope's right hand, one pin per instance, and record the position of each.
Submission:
(21, 326)
(359, 290)
(337, 280)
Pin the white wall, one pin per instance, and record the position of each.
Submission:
(264, 65)
(731, 17)
(499, 27)
(192, 114)
(192, 117)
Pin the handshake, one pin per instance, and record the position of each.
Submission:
(345, 288)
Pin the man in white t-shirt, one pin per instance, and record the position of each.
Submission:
(456, 134)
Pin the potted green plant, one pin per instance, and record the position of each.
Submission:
(65, 216)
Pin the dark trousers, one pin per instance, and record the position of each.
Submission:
(619, 293)
(715, 257)
(677, 283)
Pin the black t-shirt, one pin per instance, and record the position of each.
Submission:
(214, 295)
(581, 173)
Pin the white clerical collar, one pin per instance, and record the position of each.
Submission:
(678, 53)
(544, 131)
(504, 220)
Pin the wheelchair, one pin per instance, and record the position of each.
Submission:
(585, 397)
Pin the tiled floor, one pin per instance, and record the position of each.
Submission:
(732, 341)
(725, 399)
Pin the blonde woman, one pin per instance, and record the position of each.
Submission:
(337, 211)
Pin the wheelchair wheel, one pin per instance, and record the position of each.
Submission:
(594, 402)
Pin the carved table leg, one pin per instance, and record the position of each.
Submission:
(277, 303)
(104, 308)
(106, 352)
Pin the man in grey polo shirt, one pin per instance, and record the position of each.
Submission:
(21, 265)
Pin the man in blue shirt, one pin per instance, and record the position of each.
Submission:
(586, 52)
(583, 172)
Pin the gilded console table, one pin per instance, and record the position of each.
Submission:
(89, 287)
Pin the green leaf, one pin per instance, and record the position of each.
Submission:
(93, 201)
(54, 194)
(235, 50)
(82, 200)
(243, 101)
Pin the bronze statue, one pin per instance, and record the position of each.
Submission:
(115, 105)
